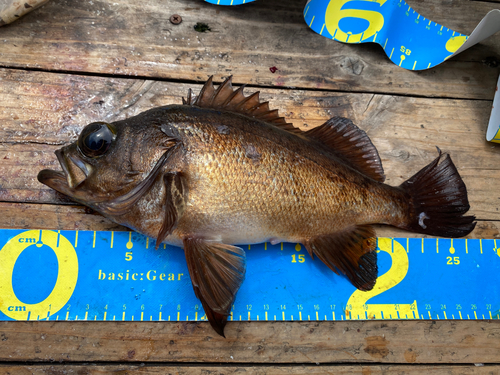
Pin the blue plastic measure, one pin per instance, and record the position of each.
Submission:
(85, 275)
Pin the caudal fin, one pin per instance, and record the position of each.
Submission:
(438, 200)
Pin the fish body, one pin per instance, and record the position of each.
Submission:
(222, 170)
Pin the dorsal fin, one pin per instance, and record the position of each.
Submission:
(351, 144)
(228, 99)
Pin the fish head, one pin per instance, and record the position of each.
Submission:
(108, 165)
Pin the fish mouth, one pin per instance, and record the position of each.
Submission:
(74, 173)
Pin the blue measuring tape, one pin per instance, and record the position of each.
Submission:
(84, 275)
(409, 39)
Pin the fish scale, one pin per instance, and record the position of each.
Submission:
(120, 276)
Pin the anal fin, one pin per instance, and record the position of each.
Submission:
(217, 271)
(351, 251)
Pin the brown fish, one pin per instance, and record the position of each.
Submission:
(223, 169)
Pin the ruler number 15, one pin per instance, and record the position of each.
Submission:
(452, 260)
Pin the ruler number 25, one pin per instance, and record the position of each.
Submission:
(452, 260)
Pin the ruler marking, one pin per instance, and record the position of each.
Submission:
(466, 247)
(312, 21)
(147, 242)
(349, 315)
(179, 315)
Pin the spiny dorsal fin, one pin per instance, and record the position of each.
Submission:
(351, 144)
(228, 99)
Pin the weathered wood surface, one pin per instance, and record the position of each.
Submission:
(54, 369)
(73, 62)
(137, 39)
(438, 342)
(74, 217)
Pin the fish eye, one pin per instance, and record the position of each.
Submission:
(96, 138)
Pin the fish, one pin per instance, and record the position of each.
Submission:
(222, 169)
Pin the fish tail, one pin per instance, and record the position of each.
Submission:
(438, 201)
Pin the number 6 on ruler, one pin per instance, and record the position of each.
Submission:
(335, 13)
(357, 303)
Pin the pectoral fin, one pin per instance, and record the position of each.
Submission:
(217, 271)
(175, 195)
(351, 251)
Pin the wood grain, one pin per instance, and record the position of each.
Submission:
(133, 39)
(457, 342)
(56, 369)
(73, 62)
(74, 217)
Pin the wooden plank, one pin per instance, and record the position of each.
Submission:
(89, 369)
(55, 107)
(75, 217)
(131, 38)
(457, 342)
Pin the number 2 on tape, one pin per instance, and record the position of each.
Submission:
(357, 303)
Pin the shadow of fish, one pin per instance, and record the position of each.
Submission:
(223, 169)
